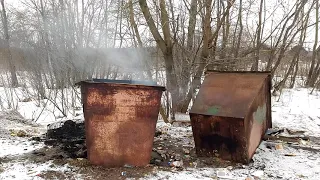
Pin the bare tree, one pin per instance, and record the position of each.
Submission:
(314, 70)
(286, 40)
(165, 44)
(239, 21)
(209, 42)
(66, 40)
(297, 50)
(12, 68)
(258, 39)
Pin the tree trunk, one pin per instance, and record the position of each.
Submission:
(139, 44)
(12, 68)
(237, 49)
(225, 38)
(185, 74)
(284, 46)
(255, 65)
(295, 59)
(314, 71)
(209, 41)
(293, 79)
(166, 46)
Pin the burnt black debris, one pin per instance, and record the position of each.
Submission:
(66, 130)
(69, 136)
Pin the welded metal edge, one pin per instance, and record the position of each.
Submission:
(240, 72)
(123, 84)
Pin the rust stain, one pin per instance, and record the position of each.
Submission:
(120, 122)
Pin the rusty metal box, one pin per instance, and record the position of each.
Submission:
(231, 114)
(120, 121)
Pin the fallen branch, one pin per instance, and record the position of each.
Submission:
(181, 121)
(286, 138)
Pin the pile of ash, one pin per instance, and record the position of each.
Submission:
(69, 136)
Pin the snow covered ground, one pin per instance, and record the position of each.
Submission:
(295, 110)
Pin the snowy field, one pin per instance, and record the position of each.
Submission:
(296, 111)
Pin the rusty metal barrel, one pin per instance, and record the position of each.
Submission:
(231, 114)
(120, 120)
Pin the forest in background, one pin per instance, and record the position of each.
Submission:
(52, 44)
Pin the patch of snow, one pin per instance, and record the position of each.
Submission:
(297, 109)
(17, 146)
(10, 144)
(303, 165)
(182, 117)
(28, 170)
(190, 173)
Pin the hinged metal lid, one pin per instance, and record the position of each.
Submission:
(228, 94)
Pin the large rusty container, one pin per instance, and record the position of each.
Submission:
(120, 121)
(231, 114)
